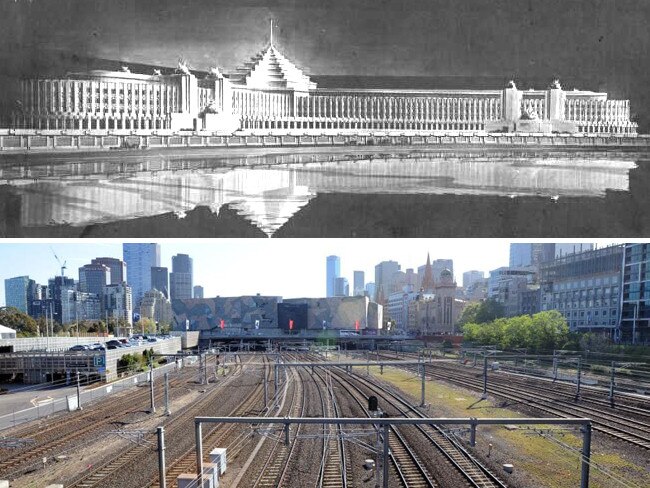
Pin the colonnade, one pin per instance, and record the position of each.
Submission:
(263, 110)
(581, 110)
(600, 116)
(90, 104)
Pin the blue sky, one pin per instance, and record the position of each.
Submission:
(230, 267)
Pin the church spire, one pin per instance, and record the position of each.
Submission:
(427, 279)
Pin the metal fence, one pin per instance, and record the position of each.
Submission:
(87, 396)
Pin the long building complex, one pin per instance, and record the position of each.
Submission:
(270, 95)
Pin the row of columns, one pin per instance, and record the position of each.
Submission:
(72, 122)
(266, 123)
(400, 109)
(593, 110)
(259, 104)
(82, 97)
(205, 96)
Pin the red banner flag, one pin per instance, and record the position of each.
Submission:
(290, 324)
(223, 324)
(356, 324)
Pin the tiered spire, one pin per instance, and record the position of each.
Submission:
(269, 69)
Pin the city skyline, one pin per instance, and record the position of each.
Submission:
(216, 259)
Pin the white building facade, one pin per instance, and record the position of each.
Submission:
(269, 94)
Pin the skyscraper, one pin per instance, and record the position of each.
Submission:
(93, 278)
(160, 280)
(117, 267)
(139, 259)
(333, 272)
(57, 287)
(118, 303)
(471, 277)
(341, 287)
(634, 324)
(180, 279)
(370, 290)
(18, 292)
(384, 277)
(359, 283)
(532, 254)
(198, 291)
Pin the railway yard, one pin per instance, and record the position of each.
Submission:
(113, 441)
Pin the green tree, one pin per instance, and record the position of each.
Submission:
(489, 310)
(23, 324)
(543, 331)
(468, 316)
(481, 312)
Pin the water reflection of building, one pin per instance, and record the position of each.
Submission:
(269, 93)
(269, 196)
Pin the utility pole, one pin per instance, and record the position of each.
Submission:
(153, 406)
(78, 392)
(422, 395)
(612, 381)
(485, 378)
(586, 454)
(167, 409)
(161, 457)
(579, 378)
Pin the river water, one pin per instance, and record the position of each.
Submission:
(327, 192)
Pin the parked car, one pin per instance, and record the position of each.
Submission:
(79, 347)
(97, 347)
(113, 344)
(152, 339)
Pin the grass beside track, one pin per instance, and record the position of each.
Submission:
(545, 462)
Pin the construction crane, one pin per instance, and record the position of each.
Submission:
(63, 267)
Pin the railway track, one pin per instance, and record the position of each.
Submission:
(86, 424)
(276, 467)
(334, 461)
(596, 395)
(126, 459)
(471, 470)
(619, 427)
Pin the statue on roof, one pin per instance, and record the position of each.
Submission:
(125, 69)
(215, 72)
(157, 72)
(212, 107)
(556, 84)
(183, 67)
(511, 84)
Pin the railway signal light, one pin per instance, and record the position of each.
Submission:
(373, 404)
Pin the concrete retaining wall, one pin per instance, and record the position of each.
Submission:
(58, 141)
(87, 395)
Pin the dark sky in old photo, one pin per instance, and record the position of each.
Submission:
(603, 43)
